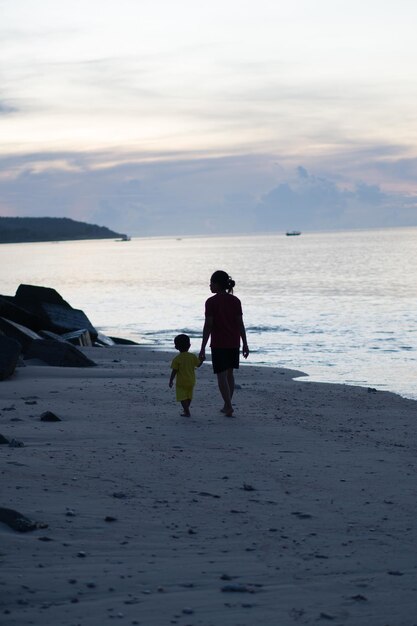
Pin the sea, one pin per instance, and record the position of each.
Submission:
(340, 307)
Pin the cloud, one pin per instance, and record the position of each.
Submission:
(6, 108)
(200, 195)
(310, 202)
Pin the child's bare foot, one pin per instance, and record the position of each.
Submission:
(186, 414)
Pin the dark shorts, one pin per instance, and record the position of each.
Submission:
(224, 359)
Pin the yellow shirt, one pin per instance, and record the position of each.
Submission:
(185, 364)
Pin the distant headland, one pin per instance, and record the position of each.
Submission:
(32, 229)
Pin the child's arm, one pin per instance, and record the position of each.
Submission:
(171, 380)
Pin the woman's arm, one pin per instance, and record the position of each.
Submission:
(208, 325)
(242, 330)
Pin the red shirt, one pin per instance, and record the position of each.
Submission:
(226, 311)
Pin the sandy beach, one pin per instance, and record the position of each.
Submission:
(301, 510)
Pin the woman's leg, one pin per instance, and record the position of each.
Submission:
(225, 380)
(231, 381)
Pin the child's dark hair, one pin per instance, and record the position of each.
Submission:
(223, 280)
(182, 342)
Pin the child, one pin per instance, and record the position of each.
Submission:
(183, 368)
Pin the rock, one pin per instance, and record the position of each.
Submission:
(238, 588)
(48, 416)
(247, 487)
(10, 310)
(58, 353)
(123, 342)
(3, 440)
(17, 521)
(78, 338)
(10, 351)
(48, 334)
(16, 443)
(103, 340)
(19, 333)
(56, 314)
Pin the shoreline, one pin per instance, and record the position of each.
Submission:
(302, 376)
(299, 510)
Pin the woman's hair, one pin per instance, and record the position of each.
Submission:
(223, 280)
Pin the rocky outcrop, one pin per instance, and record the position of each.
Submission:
(52, 310)
(46, 328)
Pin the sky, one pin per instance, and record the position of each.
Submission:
(179, 117)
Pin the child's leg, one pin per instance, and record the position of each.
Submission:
(186, 408)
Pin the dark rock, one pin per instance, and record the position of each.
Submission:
(78, 338)
(56, 314)
(16, 443)
(10, 351)
(48, 416)
(103, 340)
(58, 353)
(48, 334)
(10, 310)
(237, 588)
(3, 440)
(124, 342)
(247, 487)
(19, 333)
(17, 521)
(30, 296)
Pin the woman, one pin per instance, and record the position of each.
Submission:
(224, 322)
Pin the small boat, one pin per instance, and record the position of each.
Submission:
(124, 238)
(293, 233)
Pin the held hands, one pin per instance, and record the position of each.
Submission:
(202, 355)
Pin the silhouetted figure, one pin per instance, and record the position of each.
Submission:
(224, 323)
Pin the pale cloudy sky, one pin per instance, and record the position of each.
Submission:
(159, 117)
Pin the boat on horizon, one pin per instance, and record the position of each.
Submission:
(293, 233)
